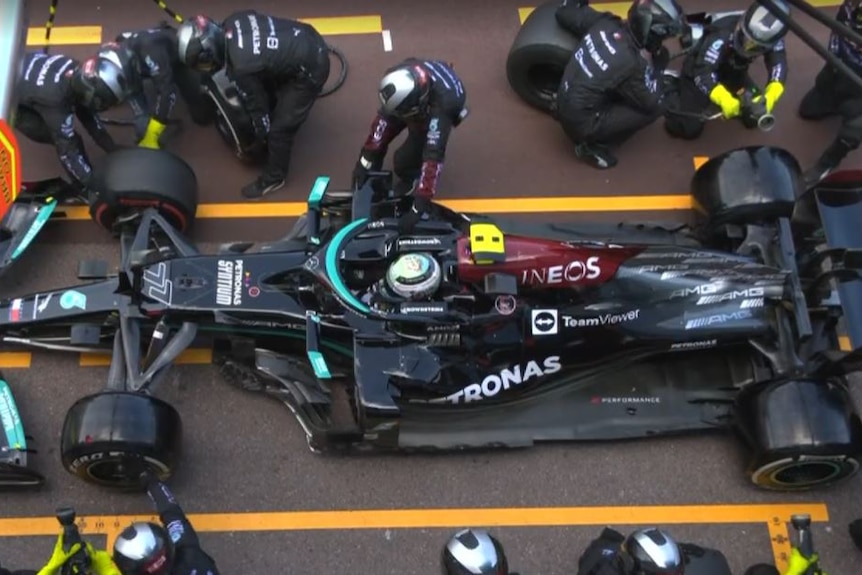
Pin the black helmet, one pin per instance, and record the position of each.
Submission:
(404, 90)
(653, 21)
(200, 44)
(144, 549)
(759, 31)
(651, 552)
(474, 552)
(105, 80)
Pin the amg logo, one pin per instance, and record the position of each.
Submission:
(732, 295)
(607, 319)
(704, 289)
(720, 318)
(229, 282)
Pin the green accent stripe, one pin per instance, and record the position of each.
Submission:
(332, 266)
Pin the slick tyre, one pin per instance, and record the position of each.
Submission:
(802, 434)
(232, 122)
(103, 432)
(538, 58)
(131, 180)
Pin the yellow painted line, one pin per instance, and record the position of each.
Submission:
(15, 360)
(779, 536)
(199, 356)
(65, 35)
(110, 525)
(346, 25)
(699, 161)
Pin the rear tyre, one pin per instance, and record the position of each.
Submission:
(538, 57)
(103, 432)
(131, 180)
(802, 434)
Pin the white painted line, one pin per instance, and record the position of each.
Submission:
(387, 41)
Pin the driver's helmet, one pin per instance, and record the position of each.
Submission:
(652, 552)
(144, 549)
(474, 552)
(105, 80)
(201, 44)
(759, 31)
(653, 21)
(404, 91)
(414, 276)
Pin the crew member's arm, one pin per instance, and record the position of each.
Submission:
(255, 102)
(641, 89)
(383, 130)
(776, 66)
(161, 71)
(433, 155)
(171, 514)
(69, 144)
(577, 16)
(97, 130)
(706, 65)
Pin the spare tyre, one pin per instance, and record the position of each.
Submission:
(131, 180)
(103, 432)
(539, 56)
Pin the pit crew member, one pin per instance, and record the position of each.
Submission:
(610, 90)
(716, 69)
(834, 94)
(154, 55)
(279, 67)
(55, 89)
(474, 552)
(427, 98)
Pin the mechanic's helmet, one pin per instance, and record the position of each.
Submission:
(414, 276)
(474, 552)
(105, 80)
(653, 21)
(144, 549)
(758, 31)
(404, 91)
(652, 552)
(200, 44)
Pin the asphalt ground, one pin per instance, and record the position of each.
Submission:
(247, 455)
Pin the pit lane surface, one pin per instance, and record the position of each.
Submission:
(246, 454)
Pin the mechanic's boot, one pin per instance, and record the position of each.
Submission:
(596, 155)
(262, 186)
(828, 161)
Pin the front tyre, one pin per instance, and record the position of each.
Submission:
(802, 472)
(103, 432)
(130, 180)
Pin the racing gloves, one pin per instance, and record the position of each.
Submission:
(59, 557)
(729, 104)
(360, 171)
(772, 93)
(100, 561)
(421, 209)
(799, 565)
(152, 135)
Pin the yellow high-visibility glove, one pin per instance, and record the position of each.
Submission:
(59, 557)
(152, 135)
(773, 93)
(101, 562)
(797, 565)
(729, 104)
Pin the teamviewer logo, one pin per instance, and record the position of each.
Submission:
(544, 322)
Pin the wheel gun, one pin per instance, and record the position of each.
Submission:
(79, 563)
(753, 111)
(805, 544)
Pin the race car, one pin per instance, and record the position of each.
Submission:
(473, 332)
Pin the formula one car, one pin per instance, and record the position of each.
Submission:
(476, 333)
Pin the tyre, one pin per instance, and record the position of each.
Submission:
(751, 185)
(802, 434)
(539, 56)
(104, 431)
(133, 179)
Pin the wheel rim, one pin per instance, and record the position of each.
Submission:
(108, 471)
(545, 80)
(805, 472)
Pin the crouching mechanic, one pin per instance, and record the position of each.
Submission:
(54, 90)
(279, 67)
(426, 98)
(610, 90)
(172, 548)
(716, 69)
(834, 94)
(153, 54)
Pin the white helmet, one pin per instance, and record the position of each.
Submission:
(404, 90)
(414, 276)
